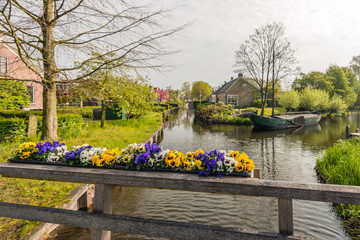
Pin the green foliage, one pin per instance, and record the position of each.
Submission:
(337, 104)
(256, 103)
(13, 128)
(336, 81)
(316, 80)
(18, 113)
(241, 121)
(197, 104)
(290, 100)
(13, 95)
(85, 112)
(201, 90)
(311, 99)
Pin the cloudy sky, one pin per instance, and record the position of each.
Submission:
(323, 32)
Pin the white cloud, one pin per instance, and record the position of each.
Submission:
(322, 31)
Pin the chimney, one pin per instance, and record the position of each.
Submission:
(224, 81)
(232, 78)
(240, 75)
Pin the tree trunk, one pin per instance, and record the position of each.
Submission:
(49, 122)
(103, 114)
(49, 127)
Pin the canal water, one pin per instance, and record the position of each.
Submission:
(288, 155)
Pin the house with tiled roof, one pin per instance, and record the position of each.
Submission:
(238, 92)
(11, 66)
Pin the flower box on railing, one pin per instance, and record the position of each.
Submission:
(144, 157)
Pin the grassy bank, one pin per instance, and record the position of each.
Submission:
(117, 133)
(340, 164)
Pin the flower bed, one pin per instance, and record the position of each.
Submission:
(137, 156)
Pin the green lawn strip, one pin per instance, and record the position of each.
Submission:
(117, 133)
(340, 164)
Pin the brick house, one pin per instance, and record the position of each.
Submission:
(12, 66)
(238, 92)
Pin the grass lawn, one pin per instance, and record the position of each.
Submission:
(117, 133)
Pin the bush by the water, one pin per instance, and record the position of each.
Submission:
(340, 164)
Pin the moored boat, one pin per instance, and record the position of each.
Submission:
(288, 120)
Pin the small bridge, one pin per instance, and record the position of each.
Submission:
(102, 221)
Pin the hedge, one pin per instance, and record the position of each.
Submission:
(85, 112)
(18, 113)
(10, 127)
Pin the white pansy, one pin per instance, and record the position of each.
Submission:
(52, 157)
(61, 150)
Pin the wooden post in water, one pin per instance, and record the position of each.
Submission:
(102, 204)
(285, 216)
(348, 132)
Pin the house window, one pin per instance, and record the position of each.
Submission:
(232, 99)
(3, 65)
(30, 92)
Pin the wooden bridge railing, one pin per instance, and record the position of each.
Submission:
(101, 221)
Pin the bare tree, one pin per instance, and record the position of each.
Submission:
(267, 55)
(58, 35)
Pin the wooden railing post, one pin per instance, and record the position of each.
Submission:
(285, 216)
(102, 204)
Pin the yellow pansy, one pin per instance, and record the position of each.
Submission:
(239, 167)
(234, 154)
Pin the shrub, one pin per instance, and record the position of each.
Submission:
(312, 99)
(337, 104)
(85, 112)
(256, 103)
(12, 127)
(18, 113)
(289, 100)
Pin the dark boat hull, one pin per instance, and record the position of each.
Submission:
(274, 123)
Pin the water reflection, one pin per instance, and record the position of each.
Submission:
(280, 155)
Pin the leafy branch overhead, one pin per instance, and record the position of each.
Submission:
(51, 35)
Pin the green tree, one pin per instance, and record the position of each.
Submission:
(312, 99)
(342, 85)
(114, 84)
(186, 89)
(337, 104)
(201, 90)
(312, 80)
(289, 100)
(174, 94)
(13, 94)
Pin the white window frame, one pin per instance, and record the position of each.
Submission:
(6, 60)
(232, 97)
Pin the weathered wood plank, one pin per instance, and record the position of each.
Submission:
(131, 225)
(102, 204)
(285, 216)
(187, 182)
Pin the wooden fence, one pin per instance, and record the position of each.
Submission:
(102, 222)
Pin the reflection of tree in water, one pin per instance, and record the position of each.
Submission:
(179, 118)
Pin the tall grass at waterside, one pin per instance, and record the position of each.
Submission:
(340, 164)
